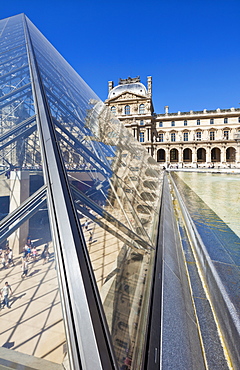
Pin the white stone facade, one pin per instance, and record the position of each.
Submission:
(183, 139)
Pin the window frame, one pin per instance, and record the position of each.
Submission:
(141, 109)
(127, 110)
(173, 137)
(113, 109)
(185, 136)
(199, 136)
(211, 135)
(141, 137)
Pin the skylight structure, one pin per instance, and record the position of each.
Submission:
(73, 178)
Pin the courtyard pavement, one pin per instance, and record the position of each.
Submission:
(33, 324)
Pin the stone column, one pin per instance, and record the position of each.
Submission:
(194, 154)
(237, 158)
(19, 192)
(223, 155)
(148, 134)
(180, 158)
(208, 154)
(167, 155)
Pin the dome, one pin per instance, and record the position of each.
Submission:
(135, 88)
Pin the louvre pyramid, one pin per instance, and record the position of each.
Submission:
(73, 178)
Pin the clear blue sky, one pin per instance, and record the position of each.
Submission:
(190, 48)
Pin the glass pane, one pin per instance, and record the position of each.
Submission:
(116, 188)
(33, 323)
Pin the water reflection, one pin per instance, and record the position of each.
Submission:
(221, 192)
(212, 204)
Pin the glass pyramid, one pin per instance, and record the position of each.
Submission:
(83, 196)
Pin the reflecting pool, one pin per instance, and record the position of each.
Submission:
(221, 192)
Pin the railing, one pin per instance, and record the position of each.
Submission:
(205, 111)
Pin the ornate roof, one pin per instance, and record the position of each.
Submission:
(136, 88)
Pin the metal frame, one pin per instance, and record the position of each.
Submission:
(89, 342)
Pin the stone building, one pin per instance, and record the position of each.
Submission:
(207, 138)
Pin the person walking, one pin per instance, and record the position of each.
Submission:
(5, 292)
(45, 254)
(4, 260)
(24, 268)
(10, 258)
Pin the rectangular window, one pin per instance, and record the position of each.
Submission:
(199, 136)
(160, 138)
(160, 124)
(141, 122)
(211, 121)
(141, 137)
(226, 135)
(173, 137)
(198, 121)
(173, 123)
(212, 135)
(185, 123)
(225, 120)
(185, 136)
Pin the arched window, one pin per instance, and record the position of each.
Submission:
(161, 155)
(141, 108)
(173, 155)
(201, 155)
(141, 137)
(187, 155)
(127, 109)
(230, 154)
(113, 109)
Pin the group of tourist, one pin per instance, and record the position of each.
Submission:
(29, 253)
(6, 257)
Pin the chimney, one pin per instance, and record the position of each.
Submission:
(110, 85)
(166, 109)
(149, 85)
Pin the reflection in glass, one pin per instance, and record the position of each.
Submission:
(114, 184)
(34, 323)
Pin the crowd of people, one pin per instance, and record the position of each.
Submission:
(29, 254)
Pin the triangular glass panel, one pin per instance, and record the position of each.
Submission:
(101, 192)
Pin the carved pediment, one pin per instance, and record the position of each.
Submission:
(127, 96)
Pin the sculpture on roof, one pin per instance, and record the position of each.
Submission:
(129, 80)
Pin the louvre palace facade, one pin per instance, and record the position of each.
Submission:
(208, 138)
